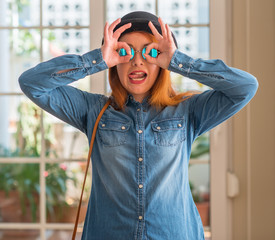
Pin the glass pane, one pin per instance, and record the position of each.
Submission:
(63, 189)
(20, 127)
(19, 234)
(199, 183)
(59, 42)
(19, 13)
(20, 50)
(184, 12)
(201, 147)
(117, 9)
(64, 141)
(195, 43)
(66, 13)
(19, 192)
(62, 234)
(72, 41)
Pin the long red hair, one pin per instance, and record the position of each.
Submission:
(162, 93)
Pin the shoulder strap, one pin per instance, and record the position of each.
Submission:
(88, 163)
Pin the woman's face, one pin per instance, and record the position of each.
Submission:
(137, 76)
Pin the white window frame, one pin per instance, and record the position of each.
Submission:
(96, 26)
(221, 136)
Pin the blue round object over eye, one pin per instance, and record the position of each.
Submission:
(153, 52)
(122, 52)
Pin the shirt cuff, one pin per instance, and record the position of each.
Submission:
(94, 62)
(180, 63)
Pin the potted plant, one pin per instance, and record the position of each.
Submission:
(20, 183)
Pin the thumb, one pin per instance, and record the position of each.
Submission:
(150, 59)
(125, 59)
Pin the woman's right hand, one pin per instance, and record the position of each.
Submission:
(111, 44)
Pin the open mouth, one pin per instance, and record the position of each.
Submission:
(137, 76)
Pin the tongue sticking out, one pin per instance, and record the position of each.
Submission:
(137, 75)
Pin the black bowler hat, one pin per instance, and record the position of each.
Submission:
(140, 20)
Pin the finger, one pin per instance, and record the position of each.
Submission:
(154, 31)
(169, 34)
(150, 46)
(163, 29)
(118, 32)
(150, 59)
(125, 59)
(125, 46)
(113, 25)
(106, 35)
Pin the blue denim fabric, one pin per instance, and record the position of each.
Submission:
(140, 187)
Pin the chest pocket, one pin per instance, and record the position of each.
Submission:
(168, 132)
(113, 132)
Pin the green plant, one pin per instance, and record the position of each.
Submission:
(25, 178)
(200, 148)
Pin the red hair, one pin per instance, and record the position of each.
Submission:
(162, 93)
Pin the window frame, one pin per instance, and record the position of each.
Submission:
(221, 146)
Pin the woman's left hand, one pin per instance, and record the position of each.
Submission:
(165, 45)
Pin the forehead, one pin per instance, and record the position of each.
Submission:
(136, 38)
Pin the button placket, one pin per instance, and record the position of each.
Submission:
(140, 168)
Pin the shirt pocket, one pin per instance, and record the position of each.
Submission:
(113, 132)
(168, 132)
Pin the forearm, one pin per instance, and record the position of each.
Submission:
(234, 83)
(60, 71)
(46, 85)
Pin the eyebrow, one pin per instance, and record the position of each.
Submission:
(145, 45)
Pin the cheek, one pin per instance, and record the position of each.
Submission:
(121, 71)
(155, 70)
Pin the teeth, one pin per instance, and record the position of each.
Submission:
(139, 73)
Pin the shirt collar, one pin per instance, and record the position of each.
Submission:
(145, 103)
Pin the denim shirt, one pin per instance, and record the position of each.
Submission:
(140, 188)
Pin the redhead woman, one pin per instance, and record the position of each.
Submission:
(140, 188)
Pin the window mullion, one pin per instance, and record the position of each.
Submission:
(43, 150)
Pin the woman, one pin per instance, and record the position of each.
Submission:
(140, 187)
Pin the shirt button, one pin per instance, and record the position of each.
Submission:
(140, 186)
(140, 159)
(139, 131)
(140, 217)
(180, 65)
(158, 127)
(123, 128)
(103, 125)
(94, 61)
(179, 125)
(138, 109)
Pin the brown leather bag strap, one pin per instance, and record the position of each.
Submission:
(88, 163)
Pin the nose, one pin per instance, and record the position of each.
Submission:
(138, 59)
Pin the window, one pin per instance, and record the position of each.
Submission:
(43, 157)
